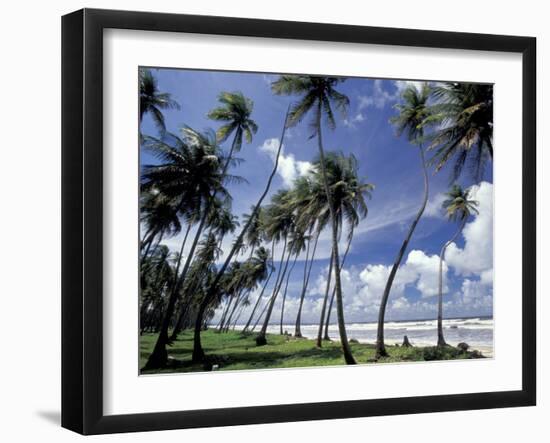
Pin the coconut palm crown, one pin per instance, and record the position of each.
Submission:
(152, 101)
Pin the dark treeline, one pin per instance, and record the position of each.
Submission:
(185, 193)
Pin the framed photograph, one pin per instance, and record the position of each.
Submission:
(269, 221)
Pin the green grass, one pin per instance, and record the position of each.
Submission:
(235, 350)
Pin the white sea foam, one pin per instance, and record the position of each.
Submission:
(477, 332)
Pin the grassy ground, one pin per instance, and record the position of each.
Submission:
(234, 350)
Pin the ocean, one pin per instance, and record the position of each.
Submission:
(477, 332)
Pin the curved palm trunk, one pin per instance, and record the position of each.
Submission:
(440, 337)
(285, 291)
(348, 356)
(257, 302)
(198, 351)
(327, 322)
(261, 336)
(159, 356)
(380, 347)
(323, 309)
(297, 328)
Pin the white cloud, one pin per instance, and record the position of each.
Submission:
(434, 206)
(381, 95)
(352, 122)
(363, 288)
(289, 168)
(476, 257)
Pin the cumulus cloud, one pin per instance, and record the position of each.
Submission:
(363, 287)
(434, 206)
(289, 168)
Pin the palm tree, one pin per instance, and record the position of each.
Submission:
(412, 118)
(155, 276)
(254, 271)
(318, 94)
(258, 300)
(458, 207)
(465, 111)
(191, 170)
(348, 193)
(198, 351)
(279, 225)
(235, 112)
(159, 215)
(152, 101)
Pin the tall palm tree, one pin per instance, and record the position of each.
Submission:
(235, 112)
(198, 351)
(317, 96)
(279, 225)
(349, 195)
(413, 116)
(311, 217)
(465, 112)
(151, 100)
(191, 170)
(458, 207)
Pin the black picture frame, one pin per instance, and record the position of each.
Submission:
(82, 218)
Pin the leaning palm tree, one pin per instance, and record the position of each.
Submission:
(210, 296)
(412, 118)
(465, 113)
(317, 96)
(311, 217)
(159, 216)
(280, 226)
(235, 111)
(151, 100)
(191, 170)
(458, 207)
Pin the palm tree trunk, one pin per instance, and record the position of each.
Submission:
(348, 356)
(257, 302)
(198, 351)
(285, 291)
(260, 316)
(440, 337)
(327, 322)
(380, 348)
(325, 298)
(297, 328)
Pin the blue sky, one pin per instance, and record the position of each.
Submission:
(391, 163)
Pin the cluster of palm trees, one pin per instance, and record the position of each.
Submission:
(186, 191)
